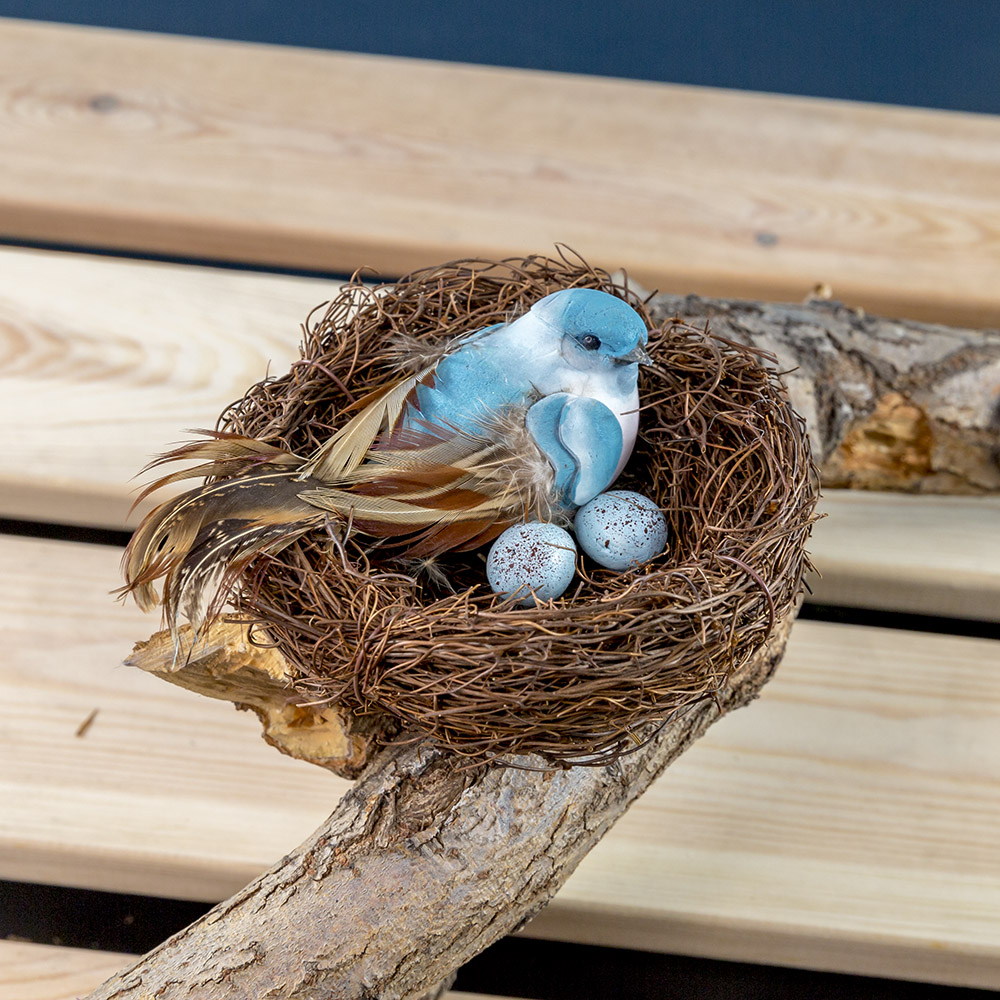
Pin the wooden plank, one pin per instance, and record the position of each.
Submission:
(332, 160)
(106, 362)
(846, 821)
(928, 555)
(74, 806)
(112, 366)
(46, 972)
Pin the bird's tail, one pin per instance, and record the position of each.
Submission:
(200, 542)
(426, 491)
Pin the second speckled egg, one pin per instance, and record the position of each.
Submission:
(621, 529)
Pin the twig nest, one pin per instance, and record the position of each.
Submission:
(429, 650)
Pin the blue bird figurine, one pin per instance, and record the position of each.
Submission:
(526, 419)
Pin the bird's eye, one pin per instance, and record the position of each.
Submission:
(590, 342)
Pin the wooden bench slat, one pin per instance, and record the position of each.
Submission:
(847, 820)
(332, 160)
(930, 555)
(88, 811)
(48, 972)
(108, 361)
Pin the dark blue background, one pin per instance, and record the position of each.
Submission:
(934, 53)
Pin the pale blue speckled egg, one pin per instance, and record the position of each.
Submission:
(621, 529)
(537, 557)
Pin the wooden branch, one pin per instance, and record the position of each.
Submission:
(890, 404)
(420, 867)
(423, 864)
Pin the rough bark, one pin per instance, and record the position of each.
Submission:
(423, 864)
(890, 404)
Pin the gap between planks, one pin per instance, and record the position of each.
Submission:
(846, 821)
(690, 189)
(107, 362)
(47, 972)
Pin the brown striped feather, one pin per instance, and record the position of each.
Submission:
(347, 449)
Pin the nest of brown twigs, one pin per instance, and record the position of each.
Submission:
(431, 651)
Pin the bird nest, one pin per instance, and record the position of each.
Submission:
(427, 650)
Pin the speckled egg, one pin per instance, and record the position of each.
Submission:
(537, 557)
(621, 529)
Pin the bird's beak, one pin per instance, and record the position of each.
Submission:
(637, 355)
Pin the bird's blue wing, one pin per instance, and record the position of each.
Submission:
(470, 387)
(581, 438)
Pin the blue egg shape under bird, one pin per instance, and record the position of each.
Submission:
(621, 529)
(536, 556)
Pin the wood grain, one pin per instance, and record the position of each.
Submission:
(846, 821)
(46, 972)
(109, 818)
(332, 160)
(928, 555)
(104, 363)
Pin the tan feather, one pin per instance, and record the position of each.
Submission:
(202, 582)
(430, 488)
(346, 450)
(223, 455)
(406, 515)
(226, 446)
(488, 483)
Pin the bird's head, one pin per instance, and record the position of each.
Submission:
(597, 329)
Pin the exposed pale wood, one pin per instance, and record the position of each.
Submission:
(46, 972)
(922, 554)
(268, 154)
(224, 663)
(107, 361)
(847, 820)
